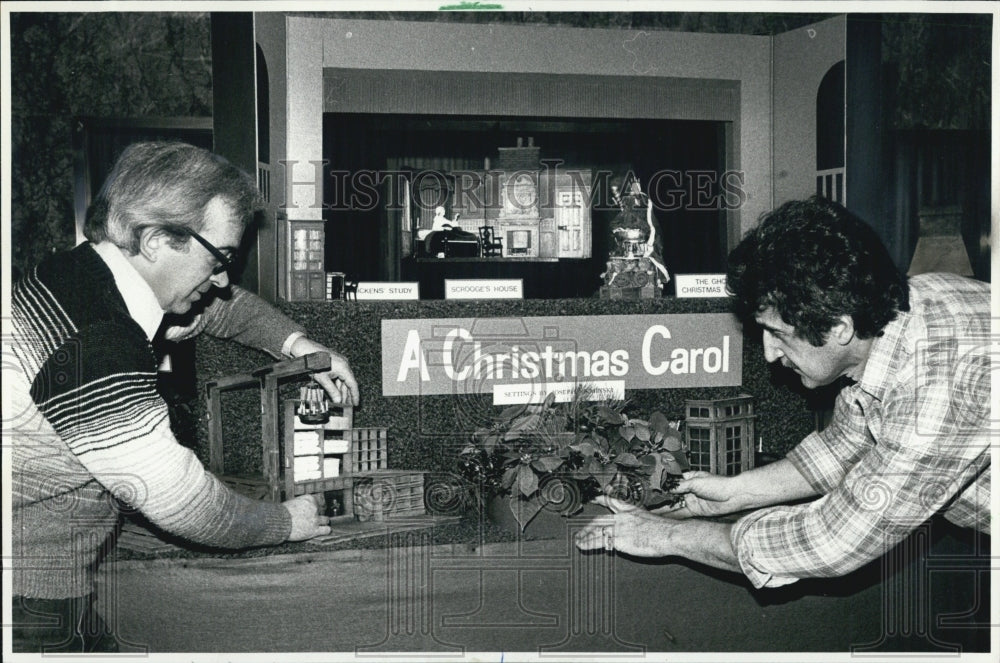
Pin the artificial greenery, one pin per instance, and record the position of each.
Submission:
(558, 455)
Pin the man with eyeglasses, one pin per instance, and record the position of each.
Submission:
(86, 425)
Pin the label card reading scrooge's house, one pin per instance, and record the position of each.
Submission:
(484, 288)
(700, 285)
(388, 290)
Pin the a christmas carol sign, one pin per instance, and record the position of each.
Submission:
(522, 359)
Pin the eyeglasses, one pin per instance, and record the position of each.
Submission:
(225, 262)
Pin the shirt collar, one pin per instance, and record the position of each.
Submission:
(140, 299)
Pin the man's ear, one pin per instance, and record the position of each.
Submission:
(843, 330)
(152, 240)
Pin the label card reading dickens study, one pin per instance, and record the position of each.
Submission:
(700, 285)
(484, 288)
(388, 290)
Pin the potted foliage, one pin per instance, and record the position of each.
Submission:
(558, 456)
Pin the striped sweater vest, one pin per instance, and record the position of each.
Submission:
(89, 435)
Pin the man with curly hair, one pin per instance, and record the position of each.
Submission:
(910, 433)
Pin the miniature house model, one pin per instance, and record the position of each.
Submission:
(720, 434)
(323, 453)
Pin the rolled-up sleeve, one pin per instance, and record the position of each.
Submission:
(779, 545)
(750, 538)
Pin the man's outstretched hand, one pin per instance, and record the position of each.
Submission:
(339, 382)
(705, 495)
(630, 529)
(307, 521)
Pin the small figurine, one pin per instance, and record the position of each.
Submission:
(442, 231)
(441, 222)
(636, 258)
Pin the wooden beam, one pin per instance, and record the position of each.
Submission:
(317, 361)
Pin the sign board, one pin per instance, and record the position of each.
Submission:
(700, 285)
(526, 356)
(388, 290)
(484, 288)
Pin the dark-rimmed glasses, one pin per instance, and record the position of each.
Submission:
(225, 262)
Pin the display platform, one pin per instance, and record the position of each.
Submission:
(543, 597)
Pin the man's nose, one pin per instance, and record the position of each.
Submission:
(771, 351)
(220, 280)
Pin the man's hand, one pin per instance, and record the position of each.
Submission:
(339, 381)
(631, 530)
(713, 495)
(636, 531)
(306, 519)
(705, 494)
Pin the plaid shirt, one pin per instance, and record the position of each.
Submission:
(909, 440)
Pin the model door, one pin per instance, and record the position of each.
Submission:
(571, 216)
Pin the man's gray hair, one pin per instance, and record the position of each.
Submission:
(166, 185)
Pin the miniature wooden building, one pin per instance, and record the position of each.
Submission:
(326, 456)
(318, 457)
(720, 434)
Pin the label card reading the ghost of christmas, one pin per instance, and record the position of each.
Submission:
(700, 285)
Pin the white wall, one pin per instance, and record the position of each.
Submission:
(801, 59)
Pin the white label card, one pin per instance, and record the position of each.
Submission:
(484, 288)
(700, 285)
(387, 290)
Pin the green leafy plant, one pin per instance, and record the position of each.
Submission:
(558, 455)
